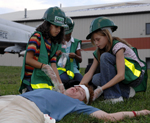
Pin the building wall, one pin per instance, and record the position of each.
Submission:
(85, 56)
(8, 59)
(81, 28)
(144, 53)
(129, 26)
(13, 59)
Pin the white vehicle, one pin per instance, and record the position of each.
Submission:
(14, 36)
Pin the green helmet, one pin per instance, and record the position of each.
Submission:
(70, 24)
(55, 16)
(99, 23)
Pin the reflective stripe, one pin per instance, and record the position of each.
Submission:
(71, 60)
(60, 68)
(70, 73)
(132, 68)
(41, 85)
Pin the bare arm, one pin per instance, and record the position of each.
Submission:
(31, 61)
(120, 64)
(58, 53)
(118, 115)
(88, 76)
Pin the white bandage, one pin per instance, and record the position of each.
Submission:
(87, 93)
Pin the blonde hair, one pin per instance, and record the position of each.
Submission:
(108, 46)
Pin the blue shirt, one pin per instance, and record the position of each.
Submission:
(57, 105)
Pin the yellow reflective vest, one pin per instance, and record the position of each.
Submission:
(132, 69)
(39, 80)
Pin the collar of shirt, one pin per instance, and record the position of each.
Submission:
(69, 42)
(71, 39)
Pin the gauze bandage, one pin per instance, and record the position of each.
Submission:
(87, 94)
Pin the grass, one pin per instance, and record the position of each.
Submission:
(10, 83)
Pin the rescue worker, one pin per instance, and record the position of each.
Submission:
(41, 52)
(122, 72)
(72, 46)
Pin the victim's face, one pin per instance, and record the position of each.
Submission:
(99, 40)
(76, 92)
(54, 30)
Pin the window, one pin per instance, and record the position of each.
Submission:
(90, 61)
(148, 63)
(147, 28)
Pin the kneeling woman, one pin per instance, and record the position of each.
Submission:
(121, 70)
(41, 52)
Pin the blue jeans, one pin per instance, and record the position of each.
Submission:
(29, 88)
(65, 77)
(107, 72)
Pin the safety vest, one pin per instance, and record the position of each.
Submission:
(69, 65)
(132, 69)
(39, 79)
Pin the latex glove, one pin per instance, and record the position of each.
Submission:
(48, 71)
(97, 92)
(51, 74)
(61, 88)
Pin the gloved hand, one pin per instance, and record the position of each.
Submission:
(97, 92)
(61, 88)
(48, 71)
(51, 74)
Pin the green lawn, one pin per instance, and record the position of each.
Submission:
(10, 82)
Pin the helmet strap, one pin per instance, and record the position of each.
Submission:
(109, 29)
